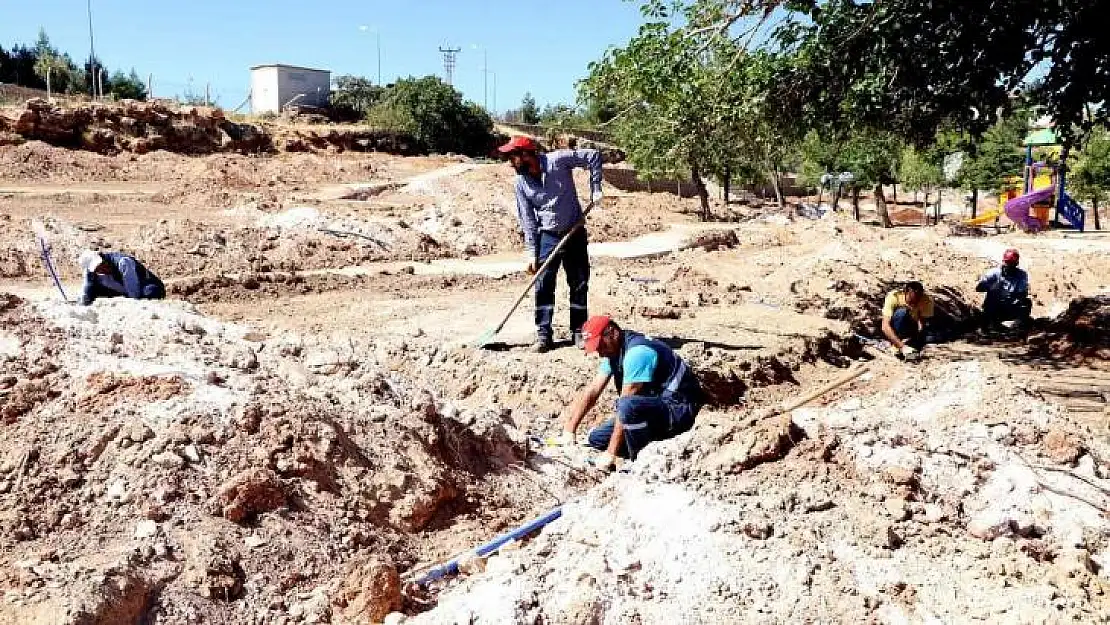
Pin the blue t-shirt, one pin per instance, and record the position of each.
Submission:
(639, 365)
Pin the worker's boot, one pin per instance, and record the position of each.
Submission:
(579, 340)
(542, 346)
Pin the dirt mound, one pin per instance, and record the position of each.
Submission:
(210, 472)
(908, 504)
(137, 127)
(1081, 332)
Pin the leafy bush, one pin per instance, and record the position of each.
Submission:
(435, 114)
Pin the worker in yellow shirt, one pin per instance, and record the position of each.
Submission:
(905, 313)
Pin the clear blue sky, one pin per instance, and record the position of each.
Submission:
(542, 47)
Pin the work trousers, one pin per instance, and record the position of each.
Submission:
(906, 327)
(152, 290)
(645, 420)
(575, 260)
(996, 311)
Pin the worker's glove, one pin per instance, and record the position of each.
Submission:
(603, 462)
(909, 353)
(895, 351)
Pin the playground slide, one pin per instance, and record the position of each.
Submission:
(985, 218)
(1017, 209)
(1072, 212)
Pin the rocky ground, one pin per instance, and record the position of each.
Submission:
(306, 424)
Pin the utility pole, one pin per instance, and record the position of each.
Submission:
(494, 94)
(379, 34)
(485, 79)
(449, 56)
(92, 53)
(100, 82)
(150, 86)
(207, 93)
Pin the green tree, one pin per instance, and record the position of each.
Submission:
(529, 112)
(910, 67)
(995, 157)
(127, 86)
(354, 96)
(49, 64)
(920, 171)
(435, 114)
(689, 105)
(1090, 178)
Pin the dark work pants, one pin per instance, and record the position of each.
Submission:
(646, 419)
(152, 290)
(905, 326)
(995, 311)
(576, 264)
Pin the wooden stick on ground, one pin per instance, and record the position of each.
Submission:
(812, 395)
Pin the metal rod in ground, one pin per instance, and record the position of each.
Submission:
(452, 566)
(50, 268)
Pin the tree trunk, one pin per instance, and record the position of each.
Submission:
(925, 208)
(776, 184)
(836, 197)
(936, 209)
(880, 207)
(1094, 212)
(727, 182)
(974, 202)
(703, 193)
(894, 188)
(855, 202)
(915, 196)
(48, 96)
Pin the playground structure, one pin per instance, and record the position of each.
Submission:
(1043, 188)
(1028, 199)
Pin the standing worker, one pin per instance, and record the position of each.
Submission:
(659, 395)
(547, 207)
(905, 313)
(1007, 289)
(115, 274)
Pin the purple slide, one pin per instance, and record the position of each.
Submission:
(1017, 209)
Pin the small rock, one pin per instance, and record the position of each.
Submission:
(168, 459)
(140, 432)
(932, 513)
(988, 529)
(1064, 448)
(896, 509)
(472, 564)
(146, 529)
(117, 490)
(254, 541)
(191, 453)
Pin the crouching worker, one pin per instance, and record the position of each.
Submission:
(659, 395)
(1007, 289)
(905, 313)
(114, 274)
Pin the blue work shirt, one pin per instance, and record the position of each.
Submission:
(1004, 287)
(127, 277)
(550, 203)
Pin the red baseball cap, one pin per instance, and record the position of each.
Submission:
(519, 143)
(1010, 256)
(591, 331)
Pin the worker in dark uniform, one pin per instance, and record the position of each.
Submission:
(659, 395)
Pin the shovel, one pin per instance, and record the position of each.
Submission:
(487, 338)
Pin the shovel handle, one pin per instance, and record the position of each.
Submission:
(550, 258)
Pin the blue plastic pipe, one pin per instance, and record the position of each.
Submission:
(452, 567)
